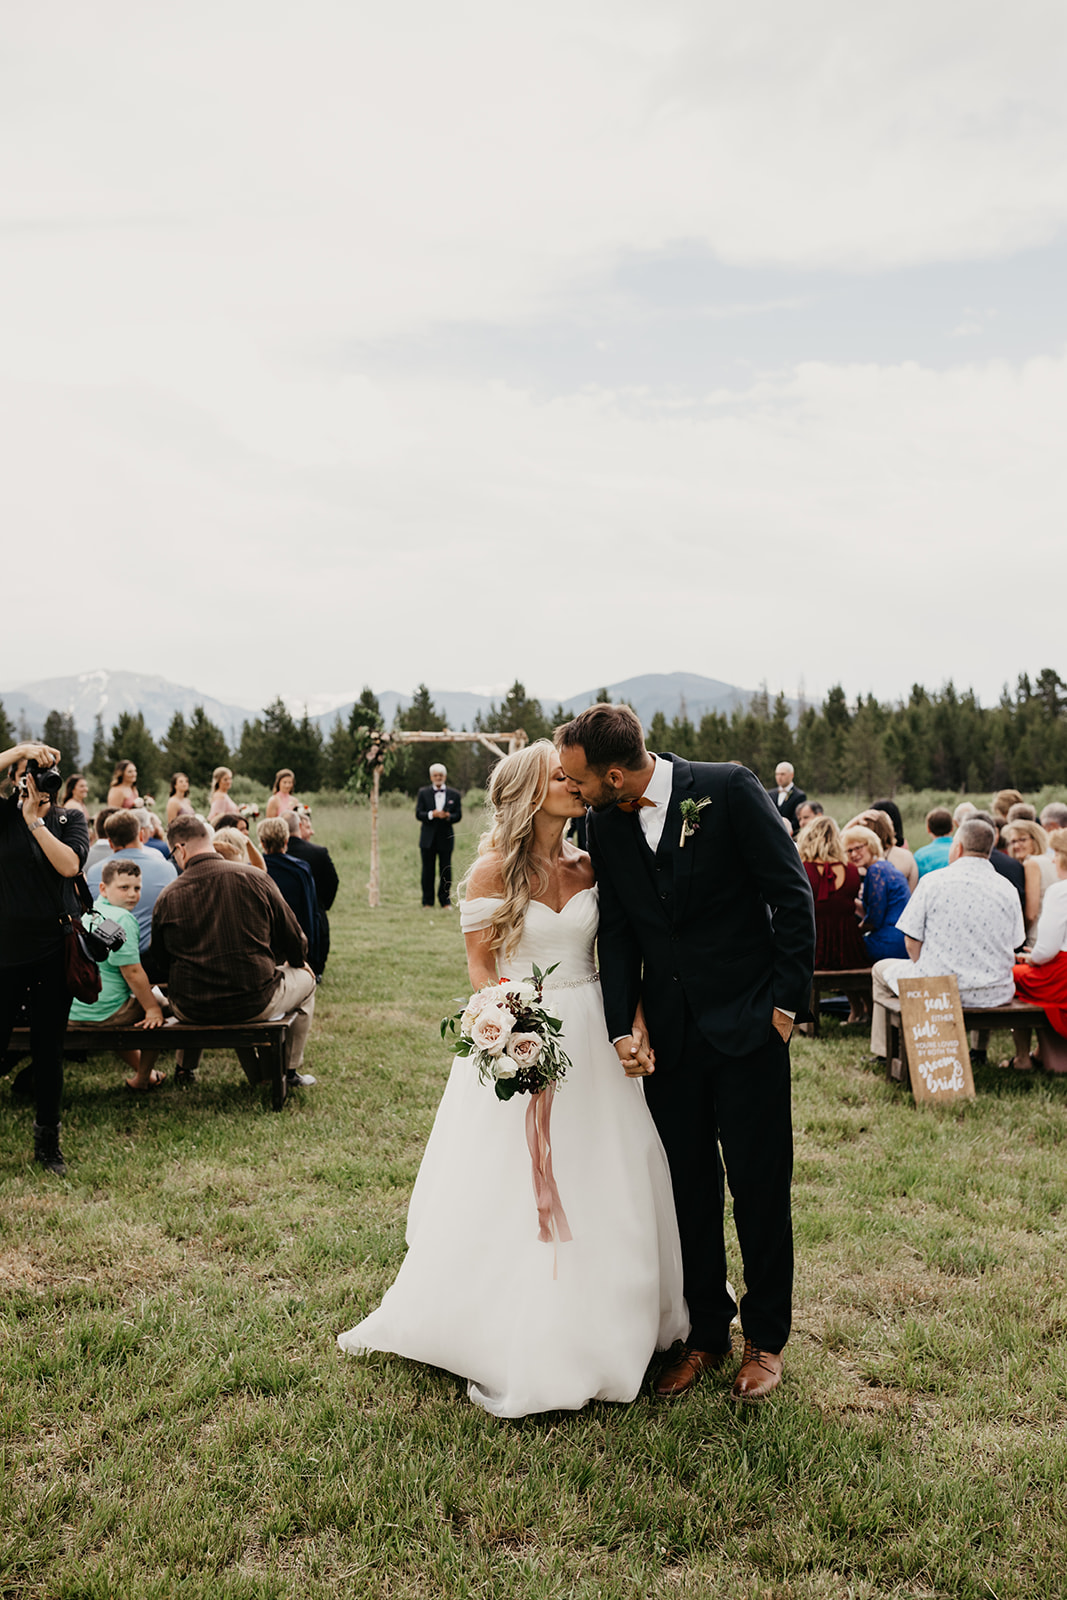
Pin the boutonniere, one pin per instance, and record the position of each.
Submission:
(691, 810)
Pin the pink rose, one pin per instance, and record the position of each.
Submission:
(491, 1029)
(475, 1005)
(524, 1049)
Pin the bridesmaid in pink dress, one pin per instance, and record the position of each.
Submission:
(221, 804)
(179, 804)
(282, 798)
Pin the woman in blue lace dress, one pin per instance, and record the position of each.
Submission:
(883, 897)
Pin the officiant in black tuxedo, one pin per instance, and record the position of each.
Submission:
(438, 808)
(707, 923)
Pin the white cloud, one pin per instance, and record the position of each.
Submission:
(206, 208)
(849, 522)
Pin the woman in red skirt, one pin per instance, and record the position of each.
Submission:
(1041, 976)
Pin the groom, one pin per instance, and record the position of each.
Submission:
(706, 919)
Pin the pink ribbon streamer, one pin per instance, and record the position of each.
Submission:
(551, 1217)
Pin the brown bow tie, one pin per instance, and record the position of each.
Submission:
(630, 806)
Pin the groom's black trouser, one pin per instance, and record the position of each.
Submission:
(702, 1101)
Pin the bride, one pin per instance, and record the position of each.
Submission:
(534, 1326)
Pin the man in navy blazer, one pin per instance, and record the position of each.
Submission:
(438, 808)
(707, 935)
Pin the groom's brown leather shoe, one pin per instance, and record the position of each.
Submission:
(683, 1372)
(759, 1374)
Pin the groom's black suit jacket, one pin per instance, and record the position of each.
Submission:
(725, 923)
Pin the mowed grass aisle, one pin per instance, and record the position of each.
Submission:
(178, 1419)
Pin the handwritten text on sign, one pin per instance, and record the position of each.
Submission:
(935, 1039)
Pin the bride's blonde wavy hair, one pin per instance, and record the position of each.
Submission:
(516, 792)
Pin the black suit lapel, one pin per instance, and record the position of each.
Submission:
(672, 834)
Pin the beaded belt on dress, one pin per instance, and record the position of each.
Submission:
(570, 983)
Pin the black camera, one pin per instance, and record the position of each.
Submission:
(49, 780)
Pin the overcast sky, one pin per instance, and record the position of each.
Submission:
(345, 343)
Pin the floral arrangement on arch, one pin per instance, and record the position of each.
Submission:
(512, 1036)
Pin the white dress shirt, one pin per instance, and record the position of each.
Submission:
(1052, 924)
(653, 817)
(970, 923)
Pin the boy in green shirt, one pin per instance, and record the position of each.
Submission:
(126, 996)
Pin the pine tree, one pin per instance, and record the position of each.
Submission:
(62, 735)
(205, 748)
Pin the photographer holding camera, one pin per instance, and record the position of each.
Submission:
(42, 849)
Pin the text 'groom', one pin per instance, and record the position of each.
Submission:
(707, 921)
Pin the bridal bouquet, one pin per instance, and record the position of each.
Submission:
(512, 1035)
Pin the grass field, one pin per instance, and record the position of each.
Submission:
(177, 1419)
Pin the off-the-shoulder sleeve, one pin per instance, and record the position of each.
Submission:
(477, 913)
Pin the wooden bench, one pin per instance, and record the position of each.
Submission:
(985, 1018)
(858, 979)
(267, 1039)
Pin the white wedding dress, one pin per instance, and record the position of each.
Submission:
(532, 1326)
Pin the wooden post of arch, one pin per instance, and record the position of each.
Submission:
(514, 741)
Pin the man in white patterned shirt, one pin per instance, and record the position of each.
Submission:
(964, 920)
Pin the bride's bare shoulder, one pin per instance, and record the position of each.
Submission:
(486, 879)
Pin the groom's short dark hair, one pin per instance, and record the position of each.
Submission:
(610, 736)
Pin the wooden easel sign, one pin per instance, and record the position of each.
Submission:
(935, 1040)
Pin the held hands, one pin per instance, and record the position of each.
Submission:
(634, 1051)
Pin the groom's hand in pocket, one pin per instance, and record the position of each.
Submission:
(782, 1023)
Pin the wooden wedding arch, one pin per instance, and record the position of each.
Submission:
(375, 759)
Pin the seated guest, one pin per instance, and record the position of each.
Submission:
(76, 793)
(1053, 818)
(1003, 801)
(807, 811)
(881, 823)
(126, 839)
(883, 896)
(1022, 812)
(965, 920)
(933, 856)
(892, 811)
(965, 809)
(1001, 862)
(99, 850)
(1028, 842)
(235, 844)
(230, 947)
(152, 829)
(322, 870)
(219, 802)
(125, 998)
(296, 884)
(1041, 975)
(835, 883)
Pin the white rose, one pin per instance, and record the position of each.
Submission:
(475, 1005)
(492, 1029)
(525, 1048)
(503, 1068)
